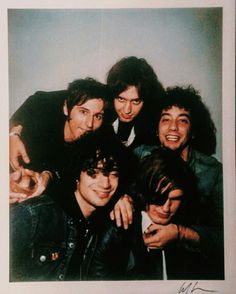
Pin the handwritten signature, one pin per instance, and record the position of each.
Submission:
(192, 287)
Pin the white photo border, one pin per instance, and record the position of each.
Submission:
(228, 120)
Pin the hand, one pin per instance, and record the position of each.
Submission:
(158, 236)
(123, 212)
(17, 149)
(26, 184)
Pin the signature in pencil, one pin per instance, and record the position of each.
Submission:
(192, 287)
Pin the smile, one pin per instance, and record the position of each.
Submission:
(103, 194)
(172, 138)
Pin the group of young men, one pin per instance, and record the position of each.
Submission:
(129, 151)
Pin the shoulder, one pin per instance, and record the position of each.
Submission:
(43, 97)
(144, 150)
(202, 161)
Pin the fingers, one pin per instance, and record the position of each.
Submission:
(25, 156)
(15, 176)
(123, 212)
(14, 162)
(152, 229)
(112, 215)
(117, 215)
(17, 197)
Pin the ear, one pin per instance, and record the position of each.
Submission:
(65, 109)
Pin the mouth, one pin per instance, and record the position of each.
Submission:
(172, 138)
(103, 194)
(126, 116)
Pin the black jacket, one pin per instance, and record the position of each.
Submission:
(48, 243)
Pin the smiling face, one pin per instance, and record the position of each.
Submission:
(83, 118)
(96, 190)
(162, 214)
(174, 128)
(128, 104)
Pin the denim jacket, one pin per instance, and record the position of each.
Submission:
(43, 241)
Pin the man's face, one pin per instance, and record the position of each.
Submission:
(174, 128)
(128, 104)
(96, 190)
(162, 214)
(83, 118)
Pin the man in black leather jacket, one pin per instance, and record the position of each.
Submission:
(69, 239)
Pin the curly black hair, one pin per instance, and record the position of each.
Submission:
(99, 147)
(203, 130)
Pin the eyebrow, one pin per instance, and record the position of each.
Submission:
(130, 99)
(84, 108)
(181, 114)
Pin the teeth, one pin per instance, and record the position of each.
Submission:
(172, 138)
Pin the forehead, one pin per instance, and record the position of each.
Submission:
(175, 111)
(94, 104)
(130, 93)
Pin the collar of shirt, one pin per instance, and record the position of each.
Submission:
(131, 136)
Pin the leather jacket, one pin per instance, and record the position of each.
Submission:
(45, 238)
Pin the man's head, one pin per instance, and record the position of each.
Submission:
(85, 107)
(98, 167)
(164, 186)
(135, 88)
(184, 120)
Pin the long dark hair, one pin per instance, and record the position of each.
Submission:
(133, 71)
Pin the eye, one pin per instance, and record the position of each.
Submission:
(83, 111)
(184, 121)
(136, 101)
(120, 99)
(165, 119)
(99, 116)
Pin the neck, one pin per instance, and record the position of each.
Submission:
(184, 153)
(67, 133)
(86, 208)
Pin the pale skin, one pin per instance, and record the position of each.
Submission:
(128, 104)
(96, 191)
(174, 131)
(83, 118)
(161, 216)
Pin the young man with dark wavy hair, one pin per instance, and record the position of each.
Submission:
(185, 126)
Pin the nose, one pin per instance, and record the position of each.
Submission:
(127, 107)
(173, 125)
(104, 182)
(89, 122)
(166, 206)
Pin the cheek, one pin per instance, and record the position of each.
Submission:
(97, 123)
(161, 130)
(114, 183)
(117, 105)
(175, 207)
